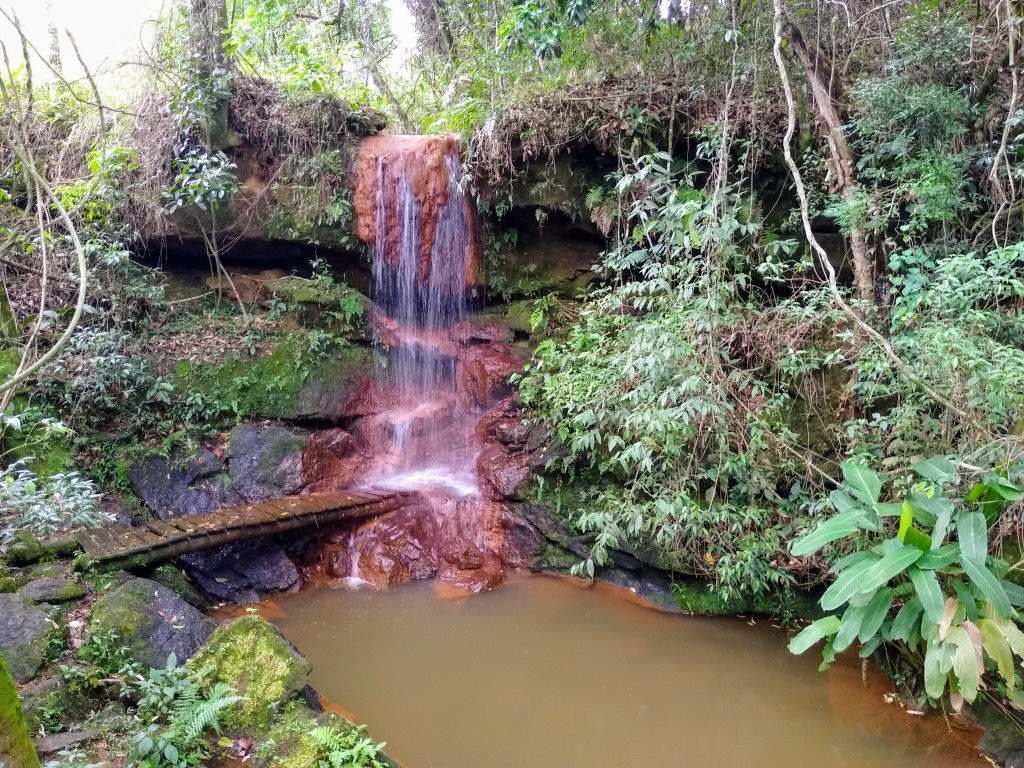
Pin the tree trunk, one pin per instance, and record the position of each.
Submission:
(818, 76)
(373, 58)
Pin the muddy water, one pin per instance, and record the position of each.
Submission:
(547, 674)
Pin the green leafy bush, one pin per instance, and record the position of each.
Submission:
(944, 603)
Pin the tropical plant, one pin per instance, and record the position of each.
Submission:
(45, 506)
(351, 748)
(944, 603)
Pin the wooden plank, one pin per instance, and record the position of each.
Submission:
(183, 524)
(161, 528)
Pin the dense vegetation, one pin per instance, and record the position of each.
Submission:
(801, 366)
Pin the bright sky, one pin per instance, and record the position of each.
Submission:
(110, 31)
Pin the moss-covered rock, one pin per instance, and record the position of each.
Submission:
(252, 656)
(23, 629)
(288, 743)
(286, 384)
(16, 750)
(52, 589)
(151, 620)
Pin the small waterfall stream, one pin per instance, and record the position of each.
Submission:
(424, 256)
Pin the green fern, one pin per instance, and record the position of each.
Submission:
(195, 714)
(351, 749)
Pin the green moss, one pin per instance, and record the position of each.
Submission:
(697, 597)
(252, 656)
(8, 583)
(272, 386)
(16, 747)
(288, 744)
(175, 579)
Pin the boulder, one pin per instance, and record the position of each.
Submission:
(151, 620)
(504, 475)
(52, 589)
(482, 373)
(16, 750)
(265, 460)
(177, 486)
(333, 459)
(242, 572)
(23, 628)
(253, 657)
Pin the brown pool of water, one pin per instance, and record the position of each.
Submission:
(546, 674)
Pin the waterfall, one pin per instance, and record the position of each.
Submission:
(423, 243)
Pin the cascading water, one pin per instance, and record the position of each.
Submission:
(421, 228)
(422, 291)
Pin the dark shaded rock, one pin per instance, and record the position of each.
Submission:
(177, 581)
(55, 742)
(152, 621)
(23, 628)
(16, 750)
(52, 589)
(241, 572)
(1003, 739)
(253, 657)
(177, 486)
(265, 460)
(650, 585)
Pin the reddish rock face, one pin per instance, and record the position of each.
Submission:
(482, 373)
(471, 571)
(469, 331)
(398, 547)
(503, 475)
(420, 161)
(332, 460)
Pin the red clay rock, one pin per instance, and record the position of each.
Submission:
(398, 547)
(482, 373)
(420, 162)
(478, 330)
(332, 460)
(471, 571)
(503, 474)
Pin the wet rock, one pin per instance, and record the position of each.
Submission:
(652, 586)
(151, 620)
(23, 628)
(504, 475)
(55, 742)
(253, 657)
(471, 571)
(332, 459)
(242, 572)
(477, 329)
(53, 589)
(335, 554)
(16, 750)
(482, 373)
(181, 486)
(1002, 739)
(265, 460)
(398, 547)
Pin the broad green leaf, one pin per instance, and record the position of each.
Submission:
(940, 557)
(965, 663)
(1015, 592)
(966, 598)
(874, 614)
(849, 583)
(938, 660)
(1004, 489)
(973, 534)
(998, 650)
(842, 501)
(905, 621)
(1010, 631)
(928, 592)
(813, 633)
(982, 578)
(851, 559)
(915, 538)
(853, 618)
(897, 560)
(870, 646)
(938, 469)
(906, 520)
(835, 528)
(864, 483)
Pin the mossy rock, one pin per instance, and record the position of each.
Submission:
(16, 749)
(288, 743)
(23, 630)
(285, 384)
(8, 584)
(253, 657)
(151, 620)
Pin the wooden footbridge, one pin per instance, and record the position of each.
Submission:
(158, 540)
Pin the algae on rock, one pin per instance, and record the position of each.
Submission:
(16, 749)
(253, 657)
